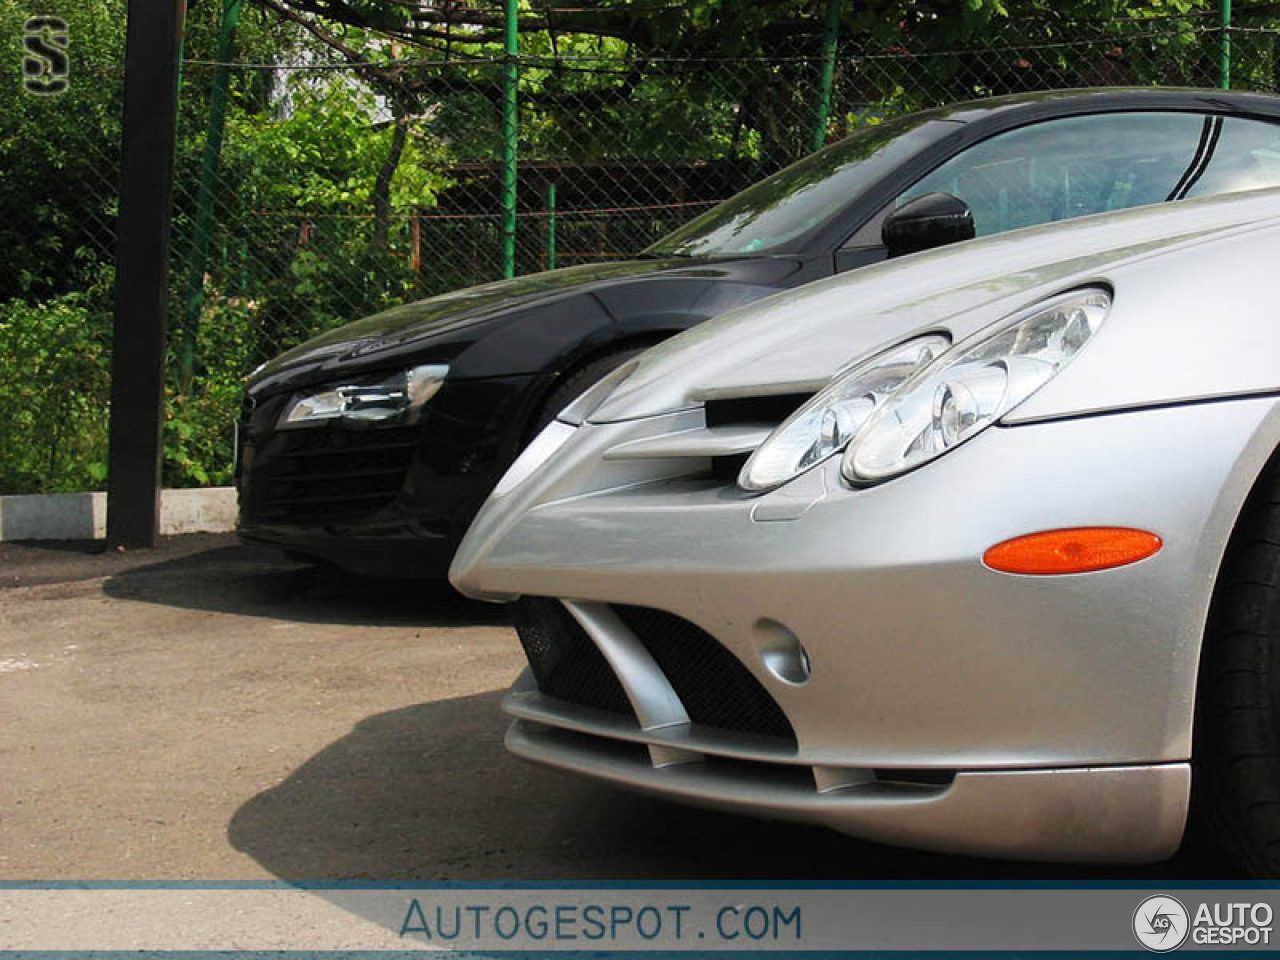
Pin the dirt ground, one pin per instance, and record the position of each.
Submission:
(209, 710)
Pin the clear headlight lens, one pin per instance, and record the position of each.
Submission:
(399, 398)
(827, 423)
(974, 386)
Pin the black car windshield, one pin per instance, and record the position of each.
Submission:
(771, 215)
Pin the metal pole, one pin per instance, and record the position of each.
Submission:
(142, 270)
(182, 45)
(829, 39)
(243, 249)
(203, 229)
(1224, 61)
(551, 226)
(509, 131)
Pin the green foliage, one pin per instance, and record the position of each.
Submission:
(323, 154)
(58, 154)
(54, 388)
(54, 440)
(199, 432)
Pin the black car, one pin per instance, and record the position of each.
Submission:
(373, 446)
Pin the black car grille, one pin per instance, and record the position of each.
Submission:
(717, 690)
(331, 474)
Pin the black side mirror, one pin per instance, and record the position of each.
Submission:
(933, 220)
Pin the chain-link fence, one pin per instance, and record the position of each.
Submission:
(323, 173)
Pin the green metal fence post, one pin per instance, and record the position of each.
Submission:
(551, 225)
(1224, 50)
(510, 79)
(829, 40)
(242, 248)
(205, 196)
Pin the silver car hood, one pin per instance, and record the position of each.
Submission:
(1191, 284)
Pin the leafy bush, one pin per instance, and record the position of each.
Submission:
(55, 384)
(199, 432)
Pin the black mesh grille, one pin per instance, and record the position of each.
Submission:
(327, 475)
(567, 665)
(715, 687)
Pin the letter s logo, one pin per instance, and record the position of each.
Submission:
(46, 66)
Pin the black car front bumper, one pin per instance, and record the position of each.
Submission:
(383, 500)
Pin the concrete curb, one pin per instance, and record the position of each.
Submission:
(83, 516)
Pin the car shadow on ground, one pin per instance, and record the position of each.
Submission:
(260, 582)
(428, 793)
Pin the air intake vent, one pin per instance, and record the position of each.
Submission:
(714, 686)
(564, 660)
(716, 689)
(757, 410)
(330, 475)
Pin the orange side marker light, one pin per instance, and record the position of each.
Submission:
(1077, 550)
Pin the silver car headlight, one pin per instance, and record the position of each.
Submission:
(828, 421)
(399, 397)
(973, 386)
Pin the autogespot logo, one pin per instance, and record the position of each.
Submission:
(1161, 923)
(45, 65)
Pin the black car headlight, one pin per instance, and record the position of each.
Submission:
(398, 398)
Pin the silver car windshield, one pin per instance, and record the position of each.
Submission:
(772, 215)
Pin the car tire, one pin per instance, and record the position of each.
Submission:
(577, 383)
(1237, 750)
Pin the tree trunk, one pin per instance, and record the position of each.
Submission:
(382, 186)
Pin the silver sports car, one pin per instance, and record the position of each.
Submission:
(976, 550)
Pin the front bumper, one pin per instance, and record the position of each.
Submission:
(1113, 814)
(1055, 712)
(389, 500)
